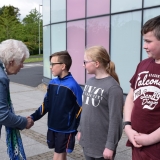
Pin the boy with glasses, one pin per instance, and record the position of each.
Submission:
(63, 102)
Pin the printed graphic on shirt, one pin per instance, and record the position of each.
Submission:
(93, 95)
(147, 88)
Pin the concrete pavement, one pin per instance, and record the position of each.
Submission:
(25, 101)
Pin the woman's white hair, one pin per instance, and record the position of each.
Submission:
(13, 50)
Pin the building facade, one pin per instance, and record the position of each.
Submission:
(74, 25)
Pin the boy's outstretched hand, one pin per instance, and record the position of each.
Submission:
(30, 122)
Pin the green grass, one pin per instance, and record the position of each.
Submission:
(34, 58)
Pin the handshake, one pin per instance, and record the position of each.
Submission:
(30, 122)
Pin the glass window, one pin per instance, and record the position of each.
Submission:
(148, 14)
(125, 45)
(46, 52)
(46, 12)
(149, 3)
(98, 33)
(58, 11)
(76, 47)
(75, 9)
(58, 37)
(97, 7)
(119, 6)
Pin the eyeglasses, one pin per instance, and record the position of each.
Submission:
(52, 64)
(87, 62)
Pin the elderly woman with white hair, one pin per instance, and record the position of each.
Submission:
(12, 55)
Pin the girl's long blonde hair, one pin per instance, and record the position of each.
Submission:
(100, 54)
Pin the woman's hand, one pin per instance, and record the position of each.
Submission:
(30, 122)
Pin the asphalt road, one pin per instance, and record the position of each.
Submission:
(30, 75)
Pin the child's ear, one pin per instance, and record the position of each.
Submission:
(96, 63)
(63, 66)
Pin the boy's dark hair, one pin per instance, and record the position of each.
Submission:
(152, 25)
(63, 57)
